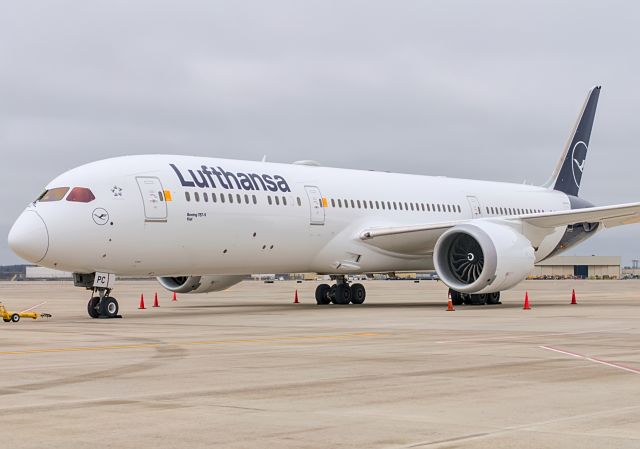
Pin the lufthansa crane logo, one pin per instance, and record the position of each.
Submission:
(578, 155)
(100, 216)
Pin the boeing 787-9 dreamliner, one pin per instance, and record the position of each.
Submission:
(202, 224)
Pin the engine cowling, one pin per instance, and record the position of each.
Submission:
(483, 257)
(199, 284)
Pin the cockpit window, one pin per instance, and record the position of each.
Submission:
(81, 195)
(53, 194)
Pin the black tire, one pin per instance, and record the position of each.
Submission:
(358, 294)
(322, 294)
(343, 294)
(108, 307)
(493, 298)
(15, 318)
(92, 307)
(332, 293)
(456, 298)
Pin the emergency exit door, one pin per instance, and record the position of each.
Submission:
(155, 206)
(316, 205)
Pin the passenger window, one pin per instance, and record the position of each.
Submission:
(277, 200)
(284, 200)
(353, 205)
(187, 196)
(333, 204)
(196, 196)
(269, 199)
(382, 205)
(205, 197)
(358, 203)
(214, 198)
(239, 198)
(222, 198)
(246, 199)
(255, 200)
(231, 198)
(346, 203)
(80, 195)
(53, 194)
(364, 203)
(377, 205)
(370, 204)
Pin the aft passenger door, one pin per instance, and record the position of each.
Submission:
(153, 198)
(476, 212)
(316, 205)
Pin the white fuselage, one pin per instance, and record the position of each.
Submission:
(144, 233)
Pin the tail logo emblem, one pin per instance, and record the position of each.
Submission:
(578, 155)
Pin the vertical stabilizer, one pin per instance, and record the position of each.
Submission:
(568, 173)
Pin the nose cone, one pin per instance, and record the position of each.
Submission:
(29, 237)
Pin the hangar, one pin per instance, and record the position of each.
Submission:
(584, 267)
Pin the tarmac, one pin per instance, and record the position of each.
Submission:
(247, 368)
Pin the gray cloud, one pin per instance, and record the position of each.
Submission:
(483, 90)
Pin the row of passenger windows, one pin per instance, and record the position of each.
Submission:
(236, 198)
(494, 210)
(396, 205)
(354, 204)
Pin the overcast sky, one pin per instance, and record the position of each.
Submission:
(485, 90)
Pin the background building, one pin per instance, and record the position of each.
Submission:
(585, 267)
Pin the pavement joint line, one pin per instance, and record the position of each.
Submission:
(591, 359)
(200, 342)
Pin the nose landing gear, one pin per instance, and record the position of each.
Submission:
(103, 305)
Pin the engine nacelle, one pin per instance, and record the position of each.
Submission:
(199, 284)
(483, 257)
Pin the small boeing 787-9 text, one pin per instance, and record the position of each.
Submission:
(202, 224)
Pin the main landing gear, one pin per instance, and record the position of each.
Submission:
(340, 293)
(103, 305)
(458, 298)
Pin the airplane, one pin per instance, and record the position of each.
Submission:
(202, 224)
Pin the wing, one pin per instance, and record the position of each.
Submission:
(421, 239)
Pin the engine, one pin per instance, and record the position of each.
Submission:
(482, 257)
(199, 284)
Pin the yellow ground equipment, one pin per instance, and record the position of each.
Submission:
(15, 316)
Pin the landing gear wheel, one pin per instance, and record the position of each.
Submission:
(108, 307)
(456, 298)
(475, 300)
(493, 298)
(332, 294)
(15, 317)
(343, 294)
(358, 294)
(92, 307)
(322, 294)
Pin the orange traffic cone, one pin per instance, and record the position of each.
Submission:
(573, 297)
(295, 297)
(141, 306)
(450, 307)
(155, 301)
(175, 298)
(526, 301)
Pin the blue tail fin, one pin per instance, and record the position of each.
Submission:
(568, 173)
